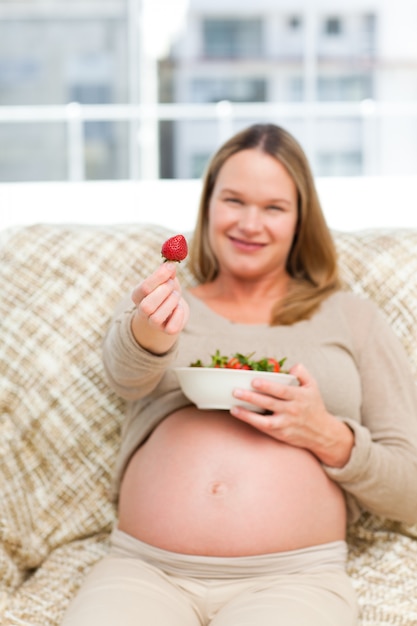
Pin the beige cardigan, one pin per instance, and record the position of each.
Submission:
(360, 365)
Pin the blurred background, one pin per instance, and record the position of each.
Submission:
(147, 89)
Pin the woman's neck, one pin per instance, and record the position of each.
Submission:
(242, 302)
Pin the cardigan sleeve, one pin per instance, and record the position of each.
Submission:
(381, 474)
(132, 371)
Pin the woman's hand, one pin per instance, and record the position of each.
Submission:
(161, 311)
(297, 416)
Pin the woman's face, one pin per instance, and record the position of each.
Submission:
(252, 216)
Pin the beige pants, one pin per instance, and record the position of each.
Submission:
(139, 585)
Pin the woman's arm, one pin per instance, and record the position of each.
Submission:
(382, 471)
(141, 341)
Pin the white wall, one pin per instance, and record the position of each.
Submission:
(348, 203)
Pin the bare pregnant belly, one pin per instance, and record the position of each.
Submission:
(206, 483)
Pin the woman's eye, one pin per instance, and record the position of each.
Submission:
(233, 200)
(274, 207)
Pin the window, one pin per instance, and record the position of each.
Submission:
(198, 163)
(338, 88)
(93, 94)
(61, 52)
(295, 23)
(233, 89)
(18, 71)
(295, 89)
(232, 38)
(369, 33)
(333, 26)
(90, 93)
(96, 52)
(369, 24)
(339, 163)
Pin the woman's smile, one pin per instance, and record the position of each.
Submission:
(244, 245)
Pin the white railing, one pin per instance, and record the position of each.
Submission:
(74, 115)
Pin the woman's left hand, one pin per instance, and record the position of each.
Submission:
(297, 416)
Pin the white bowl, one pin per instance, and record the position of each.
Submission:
(212, 387)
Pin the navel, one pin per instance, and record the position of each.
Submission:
(217, 488)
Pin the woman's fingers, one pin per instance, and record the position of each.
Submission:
(165, 274)
(293, 413)
(177, 320)
(157, 298)
(171, 315)
(267, 397)
(158, 305)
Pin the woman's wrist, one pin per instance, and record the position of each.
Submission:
(338, 445)
(153, 341)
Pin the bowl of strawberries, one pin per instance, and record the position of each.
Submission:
(211, 386)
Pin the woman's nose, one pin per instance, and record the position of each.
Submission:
(251, 219)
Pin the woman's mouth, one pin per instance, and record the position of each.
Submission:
(245, 245)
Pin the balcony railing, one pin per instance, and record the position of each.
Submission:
(143, 153)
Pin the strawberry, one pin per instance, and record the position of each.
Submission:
(269, 364)
(273, 365)
(237, 362)
(175, 248)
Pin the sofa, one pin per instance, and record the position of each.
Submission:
(59, 422)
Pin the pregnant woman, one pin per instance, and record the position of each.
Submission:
(238, 518)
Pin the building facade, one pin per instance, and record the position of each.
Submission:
(289, 53)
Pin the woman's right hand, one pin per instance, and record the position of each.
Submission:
(161, 312)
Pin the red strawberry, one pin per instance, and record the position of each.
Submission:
(175, 248)
(273, 365)
(238, 362)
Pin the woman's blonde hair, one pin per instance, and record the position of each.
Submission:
(312, 261)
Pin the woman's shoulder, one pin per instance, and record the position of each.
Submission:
(358, 317)
(357, 309)
(352, 302)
